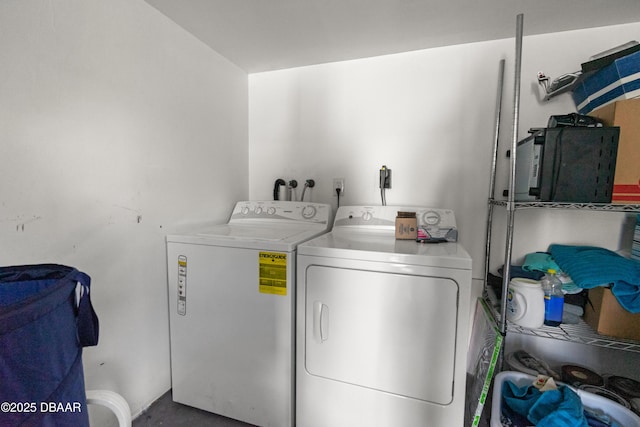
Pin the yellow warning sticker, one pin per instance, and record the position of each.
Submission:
(273, 273)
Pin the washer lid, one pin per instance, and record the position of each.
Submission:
(268, 225)
(273, 236)
(382, 246)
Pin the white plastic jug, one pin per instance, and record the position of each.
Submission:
(525, 303)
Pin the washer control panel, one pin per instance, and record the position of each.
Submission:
(281, 211)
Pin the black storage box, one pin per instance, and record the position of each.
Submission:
(567, 164)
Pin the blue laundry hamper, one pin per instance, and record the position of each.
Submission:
(46, 318)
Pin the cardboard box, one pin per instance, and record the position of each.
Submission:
(607, 316)
(626, 115)
(406, 226)
(617, 81)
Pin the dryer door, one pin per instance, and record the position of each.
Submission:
(390, 332)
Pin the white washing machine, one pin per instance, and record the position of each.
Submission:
(232, 311)
(382, 325)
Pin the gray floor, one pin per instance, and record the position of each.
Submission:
(166, 412)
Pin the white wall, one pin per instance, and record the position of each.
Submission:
(429, 116)
(117, 128)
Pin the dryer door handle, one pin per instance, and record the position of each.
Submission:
(320, 321)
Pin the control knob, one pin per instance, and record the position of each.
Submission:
(308, 212)
(431, 218)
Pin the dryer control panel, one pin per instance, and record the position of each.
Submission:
(434, 224)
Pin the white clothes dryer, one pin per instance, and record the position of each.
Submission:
(232, 311)
(382, 325)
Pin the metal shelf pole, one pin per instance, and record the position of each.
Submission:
(512, 175)
(492, 180)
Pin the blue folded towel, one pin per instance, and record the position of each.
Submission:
(590, 267)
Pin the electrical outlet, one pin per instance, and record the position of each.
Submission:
(338, 183)
(385, 177)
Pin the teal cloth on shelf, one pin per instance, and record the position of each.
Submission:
(553, 408)
(539, 261)
(542, 262)
(590, 267)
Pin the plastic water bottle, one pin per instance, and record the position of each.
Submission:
(553, 298)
